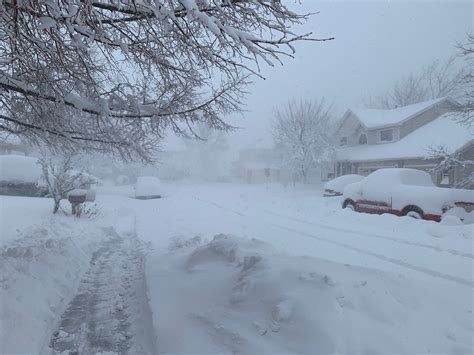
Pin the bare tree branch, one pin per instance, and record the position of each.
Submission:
(439, 79)
(133, 69)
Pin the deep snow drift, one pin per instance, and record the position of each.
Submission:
(235, 295)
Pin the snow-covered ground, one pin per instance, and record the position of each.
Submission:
(234, 269)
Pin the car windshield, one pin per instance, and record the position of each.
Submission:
(203, 177)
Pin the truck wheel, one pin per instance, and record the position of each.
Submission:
(413, 212)
(350, 205)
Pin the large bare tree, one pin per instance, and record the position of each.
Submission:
(302, 132)
(467, 99)
(114, 74)
(439, 79)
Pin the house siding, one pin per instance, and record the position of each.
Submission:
(351, 128)
(426, 117)
(464, 175)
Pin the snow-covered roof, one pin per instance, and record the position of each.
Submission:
(375, 118)
(444, 131)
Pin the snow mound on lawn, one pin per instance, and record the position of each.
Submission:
(236, 295)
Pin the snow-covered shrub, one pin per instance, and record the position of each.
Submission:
(61, 177)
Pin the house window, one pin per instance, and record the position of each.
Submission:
(386, 135)
(363, 139)
(445, 178)
(343, 141)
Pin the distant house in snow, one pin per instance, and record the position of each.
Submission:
(260, 165)
(12, 144)
(371, 139)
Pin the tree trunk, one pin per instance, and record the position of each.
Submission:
(303, 173)
(56, 206)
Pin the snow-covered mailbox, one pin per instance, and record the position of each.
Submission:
(77, 197)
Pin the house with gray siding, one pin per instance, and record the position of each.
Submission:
(371, 139)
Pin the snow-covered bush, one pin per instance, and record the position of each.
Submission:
(61, 177)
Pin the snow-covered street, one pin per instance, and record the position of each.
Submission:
(234, 268)
(196, 177)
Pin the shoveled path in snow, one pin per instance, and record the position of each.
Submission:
(110, 312)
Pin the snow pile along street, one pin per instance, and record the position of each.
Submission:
(236, 295)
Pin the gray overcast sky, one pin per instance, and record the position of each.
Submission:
(376, 43)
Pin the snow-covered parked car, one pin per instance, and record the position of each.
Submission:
(21, 176)
(405, 192)
(147, 187)
(336, 186)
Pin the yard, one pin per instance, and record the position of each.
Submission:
(230, 268)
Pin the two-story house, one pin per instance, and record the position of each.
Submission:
(370, 139)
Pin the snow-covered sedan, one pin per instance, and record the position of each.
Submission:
(148, 187)
(336, 186)
(405, 192)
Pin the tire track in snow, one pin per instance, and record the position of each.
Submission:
(398, 262)
(220, 206)
(345, 230)
(375, 236)
(110, 312)
(427, 271)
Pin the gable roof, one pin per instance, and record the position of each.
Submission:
(376, 118)
(443, 131)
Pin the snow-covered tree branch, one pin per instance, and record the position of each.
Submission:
(302, 131)
(114, 75)
(448, 160)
